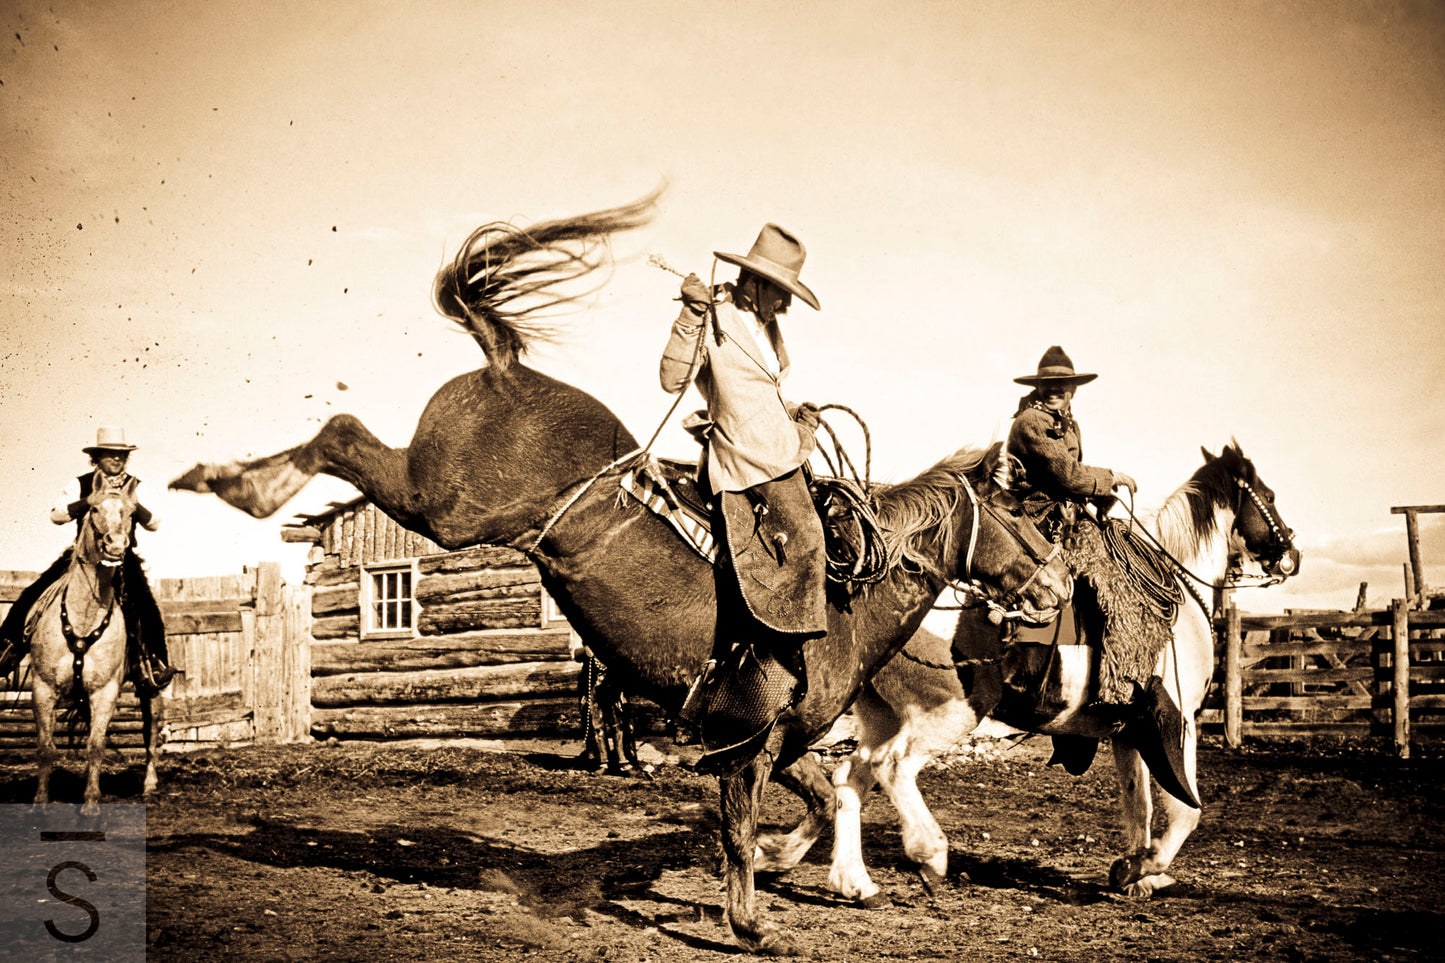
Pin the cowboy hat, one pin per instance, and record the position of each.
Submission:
(109, 438)
(1055, 368)
(778, 256)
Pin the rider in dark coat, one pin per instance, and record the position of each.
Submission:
(146, 632)
(770, 567)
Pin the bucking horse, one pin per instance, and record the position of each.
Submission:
(506, 455)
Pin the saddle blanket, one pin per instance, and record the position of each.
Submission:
(667, 488)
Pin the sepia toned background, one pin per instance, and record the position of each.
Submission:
(220, 221)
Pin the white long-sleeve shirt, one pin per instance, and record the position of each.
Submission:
(60, 511)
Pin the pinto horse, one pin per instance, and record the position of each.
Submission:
(78, 648)
(507, 455)
(910, 712)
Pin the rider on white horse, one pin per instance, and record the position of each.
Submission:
(1045, 459)
(147, 633)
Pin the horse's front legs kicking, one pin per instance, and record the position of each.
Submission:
(1142, 871)
(742, 797)
(43, 705)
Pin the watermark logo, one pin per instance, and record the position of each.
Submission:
(72, 887)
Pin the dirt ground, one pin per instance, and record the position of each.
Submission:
(377, 853)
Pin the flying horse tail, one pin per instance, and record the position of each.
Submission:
(506, 278)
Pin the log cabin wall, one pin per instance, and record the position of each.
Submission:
(412, 641)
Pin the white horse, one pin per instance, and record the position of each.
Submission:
(78, 647)
(910, 713)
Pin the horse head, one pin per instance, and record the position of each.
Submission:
(1009, 551)
(1259, 531)
(105, 533)
(955, 521)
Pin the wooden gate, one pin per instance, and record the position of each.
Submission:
(243, 647)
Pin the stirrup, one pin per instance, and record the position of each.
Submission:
(696, 701)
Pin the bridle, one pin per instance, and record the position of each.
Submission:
(1000, 605)
(1285, 557)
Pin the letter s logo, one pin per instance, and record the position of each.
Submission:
(73, 900)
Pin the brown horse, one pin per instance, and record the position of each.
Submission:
(507, 455)
(78, 648)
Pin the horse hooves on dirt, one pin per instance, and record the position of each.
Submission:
(876, 901)
(933, 884)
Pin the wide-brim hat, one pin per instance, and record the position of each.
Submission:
(1056, 368)
(778, 256)
(109, 438)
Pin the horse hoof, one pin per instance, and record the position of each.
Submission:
(1146, 886)
(776, 943)
(1125, 872)
(878, 900)
(933, 883)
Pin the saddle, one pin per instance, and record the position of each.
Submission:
(852, 540)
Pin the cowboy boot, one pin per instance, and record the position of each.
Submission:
(1156, 730)
(741, 699)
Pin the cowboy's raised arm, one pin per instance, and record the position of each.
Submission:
(143, 516)
(681, 357)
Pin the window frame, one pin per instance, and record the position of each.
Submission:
(367, 628)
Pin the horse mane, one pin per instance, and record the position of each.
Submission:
(504, 277)
(1188, 516)
(914, 514)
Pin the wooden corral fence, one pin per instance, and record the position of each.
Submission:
(412, 641)
(242, 644)
(1359, 674)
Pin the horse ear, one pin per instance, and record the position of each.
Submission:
(1207, 456)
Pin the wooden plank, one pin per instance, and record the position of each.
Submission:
(1420, 509)
(207, 710)
(483, 556)
(1401, 680)
(1308, 701)
(1342, 647)
(505, 613)
(334, 599)
(1297, 729)
(300, 533)
(492, 682)
(1434, 618)
(338, 576)
(488, 583)
(366, 520)
(298, 666)
(532, 717)
(13, 583)
(336, 627)
(1257, 676)
(211, 623)
(349, 555)
(431, 652)
(1233, 679)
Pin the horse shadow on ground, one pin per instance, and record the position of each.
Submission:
(547, 884)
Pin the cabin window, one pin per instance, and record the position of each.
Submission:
(388, 608)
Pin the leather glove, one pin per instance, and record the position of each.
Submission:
(807, 414)
(1122, 480)
(695, 295)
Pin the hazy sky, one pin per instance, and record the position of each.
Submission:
(220, 223)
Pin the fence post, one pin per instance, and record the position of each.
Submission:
(1401, 690)
(1233, 679)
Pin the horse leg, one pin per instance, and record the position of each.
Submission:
(343, 448)
(43, 706)
(807, 780)
(924, 841)
(848, 876)
(102, 708)
(1143, 871)
(616, 728)
(742, 796)
(153, 722)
